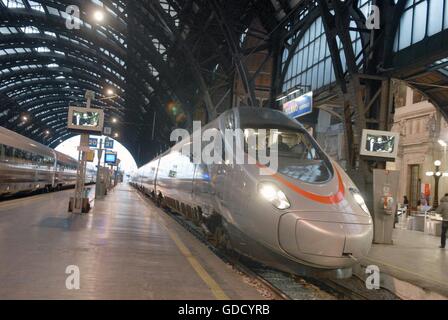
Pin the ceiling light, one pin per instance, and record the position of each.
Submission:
(99, 15)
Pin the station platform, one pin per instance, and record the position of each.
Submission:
(126, 248)
(414, 267)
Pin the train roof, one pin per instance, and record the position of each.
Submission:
(13, 139)
(65, 158)
(249, 117)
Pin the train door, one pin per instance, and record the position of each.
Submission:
(236, 169)
(203, 194)
(229, 173)
(54, 169)
(221, 180)
(219, 183)
(156, 175)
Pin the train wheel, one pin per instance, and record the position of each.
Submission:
(196, 216)
(159, 201)
(221, 239)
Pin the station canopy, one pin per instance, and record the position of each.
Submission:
(147, 62)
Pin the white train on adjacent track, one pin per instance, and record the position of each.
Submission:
(27, 166)
(308, 216)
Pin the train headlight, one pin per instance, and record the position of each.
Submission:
(359, 200)
(274, 195)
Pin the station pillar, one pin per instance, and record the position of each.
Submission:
(100, 188)
(80, 203)
(385, 204)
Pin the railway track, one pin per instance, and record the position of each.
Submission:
(283, 286)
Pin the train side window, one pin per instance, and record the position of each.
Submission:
(48, 162)
(28, 157)
(21, 156)
(60, 166)
(17, 155)
(35, 159)
(40, 160)
(9, 154)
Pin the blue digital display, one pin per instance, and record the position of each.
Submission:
(93, 143)
(108, 144)
(300, 106)
(111, 158)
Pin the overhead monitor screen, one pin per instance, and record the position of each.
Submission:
(111, 158)
(86, 120)
(385, 144)
(380, 144)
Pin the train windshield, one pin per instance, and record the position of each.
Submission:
(299, 156)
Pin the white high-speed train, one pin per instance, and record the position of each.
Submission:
(28, 166)
(308, 215)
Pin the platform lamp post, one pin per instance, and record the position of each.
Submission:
(78, 200)
(99, 188)
(99, 192)
(437, 174)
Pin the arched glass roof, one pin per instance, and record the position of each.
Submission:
(51, 52)
(45, 65)
(152, 54)
(419, 20)
(310, 64)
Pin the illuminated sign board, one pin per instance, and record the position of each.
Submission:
(380, 144)
(93, 143)
(85, 120)
(90, 156)
(108, 144)
(299, 107)
(111, 158)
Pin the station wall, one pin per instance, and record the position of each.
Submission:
(420, 126)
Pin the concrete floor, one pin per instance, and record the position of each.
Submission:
(414, 257)
(125, 249)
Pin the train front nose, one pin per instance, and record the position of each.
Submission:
(326, 240)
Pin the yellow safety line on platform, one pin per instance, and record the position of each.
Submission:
(202, 273)
(8, 204)
(205, 276)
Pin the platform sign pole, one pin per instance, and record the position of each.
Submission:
(81, 173)
(78, 200)
(98, 187)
